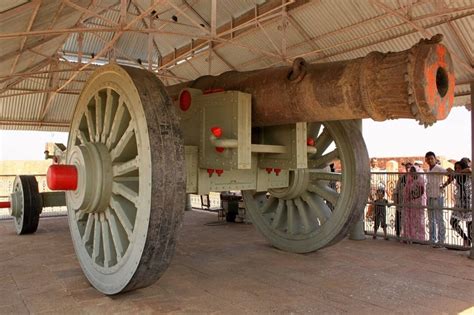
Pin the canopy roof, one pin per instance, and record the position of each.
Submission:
(48, 48)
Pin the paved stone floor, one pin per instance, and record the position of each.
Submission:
(230, 269)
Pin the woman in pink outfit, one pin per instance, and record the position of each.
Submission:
(413, 212)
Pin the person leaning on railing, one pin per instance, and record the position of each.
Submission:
(398, 198)
(462, 200)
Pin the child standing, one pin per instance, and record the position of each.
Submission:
(380, 204)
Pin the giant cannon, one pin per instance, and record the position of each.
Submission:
(136, 148)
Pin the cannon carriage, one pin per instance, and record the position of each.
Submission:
(136, 148)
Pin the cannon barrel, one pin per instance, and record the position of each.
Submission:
(416, 83)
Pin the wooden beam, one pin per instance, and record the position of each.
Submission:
(56, 15)
(61, 124)
(422, 30)
(239, 25)
(264, 31)
(103, 50)
(190, 19)
(357, 39)
(89, 12)
(54, 59)
(58, 32)
(28, 28)
(135, 61)
(69, 92)
(151, 36)
(12, 80)
(16, 11)
(53, 85)
(31, 73)
(462, 43)
(213, 18)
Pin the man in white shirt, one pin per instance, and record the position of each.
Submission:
(435, 200)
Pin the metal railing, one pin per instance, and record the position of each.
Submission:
(412, 216)
(6, 187)
(212, 201)
(401, 209)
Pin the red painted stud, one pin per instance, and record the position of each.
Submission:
(269, 170)
(310, 142)
(185, 100)
(219, 172)
(220, 149)
(62, 177)
(210, 171)
(5, 204)
(277, 171)
(216, 131)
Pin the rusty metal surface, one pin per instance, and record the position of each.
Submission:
(417, 83)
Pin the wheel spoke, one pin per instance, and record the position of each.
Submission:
(81, 136)
(124, 191)
(106, 241)
(313, 129)
(317, 206)
(325, 192)
(115, 125)
(324, 160)
(90, 124)
(278, 213)
(267, 207)
(321, 174)
(122, 216)
(80, 214)
(323, 142)
(303, 215)
(290, 216)
(108, 115)
(117, 240)
(88, 231)
(98, 117)
(97, 239)
(124, 139)
(120, 169)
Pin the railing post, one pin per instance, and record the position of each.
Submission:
(357, 230)
(472, 157)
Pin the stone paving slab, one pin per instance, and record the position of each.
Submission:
(229, 268)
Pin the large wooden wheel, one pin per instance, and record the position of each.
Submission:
(128, 151)
(319, 206)
(26, 204)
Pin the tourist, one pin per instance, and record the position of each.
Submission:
(414, 199)
(435, 200)
(380, 205)
(398, 198)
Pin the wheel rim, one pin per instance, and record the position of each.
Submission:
(318, 206)
(26, 204)
(18, 204)
(109, 214)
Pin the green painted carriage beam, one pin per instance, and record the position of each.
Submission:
(53, 199)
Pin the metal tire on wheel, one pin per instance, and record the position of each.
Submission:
(319, 206)
(26, 204)
(128, 150)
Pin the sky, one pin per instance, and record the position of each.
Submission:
(450, 138)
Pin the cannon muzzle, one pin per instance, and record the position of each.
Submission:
(417, 83)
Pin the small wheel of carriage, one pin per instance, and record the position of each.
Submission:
(319, 206)
(127, 147)
(26, 204)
